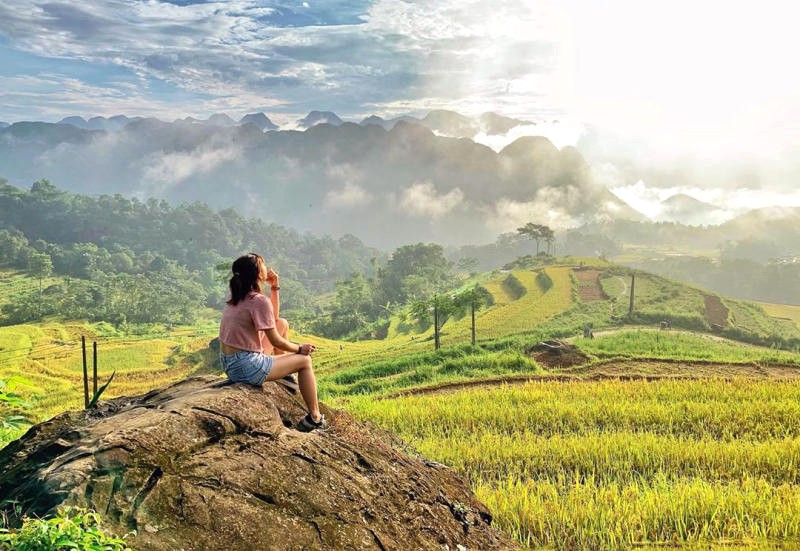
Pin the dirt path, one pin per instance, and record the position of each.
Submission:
(624, 370)
(589, 289)
(716, 313)
(624, 328)
(624, 292)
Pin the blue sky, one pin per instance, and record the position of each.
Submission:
(661, 79)
(356, 57)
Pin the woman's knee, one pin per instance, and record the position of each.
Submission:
(282, 325)
(306, 363)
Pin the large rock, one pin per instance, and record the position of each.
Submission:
(204, 464)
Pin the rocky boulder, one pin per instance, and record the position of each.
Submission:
(204, 464)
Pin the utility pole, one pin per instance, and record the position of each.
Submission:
(633, 282)
(435, 323)
(472, 308)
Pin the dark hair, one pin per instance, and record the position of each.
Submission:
(246, 270)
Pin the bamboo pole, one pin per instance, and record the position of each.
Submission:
(94, 367)
(85, 375)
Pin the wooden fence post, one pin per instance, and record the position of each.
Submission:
(94, 367)
(85, 375)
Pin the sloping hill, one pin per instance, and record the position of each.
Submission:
(204, 464)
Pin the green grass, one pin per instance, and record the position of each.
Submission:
(750, 322)
(678, 345)
(16, 282)
(657, 298)
(457, 363)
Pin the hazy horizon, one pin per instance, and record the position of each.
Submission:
(661, 98)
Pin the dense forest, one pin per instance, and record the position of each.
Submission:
(124, 260)
(128, 261)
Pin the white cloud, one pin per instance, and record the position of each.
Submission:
(561, 133)
(727, 203)
(507, 215)
(172, 168)
(422, 199)
(348, 196)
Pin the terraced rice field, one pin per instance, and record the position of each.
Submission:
(13, 282)
(786, 312)
(44, 362)
(589, 289)
(752, 318)
(523, 315)
(613, 464)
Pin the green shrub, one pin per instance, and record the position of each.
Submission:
(514, 287)
(74, 528)
(543, 281)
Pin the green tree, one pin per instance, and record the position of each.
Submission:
(472, 300)
(538, 233)
(438, 309)
(426, 261)
(41, 266)
(468, 264)
(353, 307)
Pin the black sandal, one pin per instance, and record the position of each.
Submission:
(307, 424)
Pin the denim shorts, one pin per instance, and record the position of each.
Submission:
(246, 367)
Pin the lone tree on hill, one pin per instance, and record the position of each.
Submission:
(473, 299)
(441, 307)
(538, 233)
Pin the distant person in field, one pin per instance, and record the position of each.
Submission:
(250, 330)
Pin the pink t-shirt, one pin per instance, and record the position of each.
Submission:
(242, 325)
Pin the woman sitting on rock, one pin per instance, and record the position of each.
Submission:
(249, 327)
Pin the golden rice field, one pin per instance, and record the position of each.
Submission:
(612, 464)
(789, 312)
(518, 316)
(571, 465)
(44, 362)
(504, 317)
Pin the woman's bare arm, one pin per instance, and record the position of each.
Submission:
(279, 342)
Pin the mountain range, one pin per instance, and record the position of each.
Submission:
(686, 209)
(389, 187)
(443, 122)
(387, 181)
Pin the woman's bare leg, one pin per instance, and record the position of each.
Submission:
(297, 363)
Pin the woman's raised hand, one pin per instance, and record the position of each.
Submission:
(272, 277)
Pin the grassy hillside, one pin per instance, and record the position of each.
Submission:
(16, 282)
(653, 437)
(543, 302)
(44, 362)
